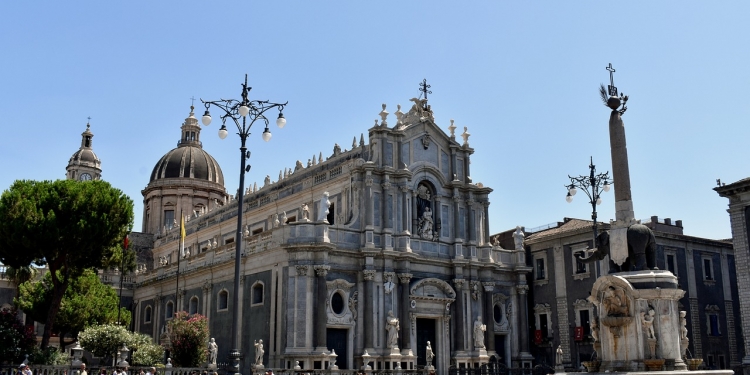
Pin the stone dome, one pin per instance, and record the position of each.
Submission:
(85, 156)
(188, 160)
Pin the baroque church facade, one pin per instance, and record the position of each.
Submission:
(379, 251)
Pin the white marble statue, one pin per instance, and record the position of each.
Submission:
(648, 323)
(615, 302)
(213, 350)
(559, 356)
(518, 238)
(683, 326)
(594, 329)
(429, 355)
(305, 212)
(276, 221)
(323, 207)
(392, 326)
(479, 330)
(426, 224)
(259, 352)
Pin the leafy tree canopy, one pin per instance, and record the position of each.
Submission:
(86, 302)
(16, 340)
(188, 335)
(68, 225)
(105, 340)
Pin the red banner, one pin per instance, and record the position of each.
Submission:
(579, 334)
(538, 336)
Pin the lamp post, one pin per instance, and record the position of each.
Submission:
(243, 113)
(593, 185)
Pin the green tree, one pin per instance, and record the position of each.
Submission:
(105, 340)
(86, 302)
(188, 335)
(16, 339)
(20, 275)
(68, 225)
(145, 352)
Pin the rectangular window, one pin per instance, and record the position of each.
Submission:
(169, 218)
(714, 324)
(543, 325)
(580, 266)
(331, 214)
(540, 273)
(708, 273)
(671, 267)
(585, 323)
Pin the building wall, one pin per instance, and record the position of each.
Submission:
(332, 283)
(567, 291)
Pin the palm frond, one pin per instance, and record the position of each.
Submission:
(603, 94)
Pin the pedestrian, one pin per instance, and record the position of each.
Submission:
(83, 369)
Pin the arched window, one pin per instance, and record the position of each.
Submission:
(169, 310)
(257, 293)
(193, 308)
(147, 315)
(223, 300)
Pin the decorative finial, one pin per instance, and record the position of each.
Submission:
(452, 129)
(465, 136)
(383, 115)
(610, 96)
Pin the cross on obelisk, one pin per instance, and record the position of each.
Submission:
(624, 215)
(611, 87)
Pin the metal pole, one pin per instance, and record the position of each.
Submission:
(235, 353)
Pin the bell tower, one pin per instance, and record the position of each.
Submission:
(84, 165)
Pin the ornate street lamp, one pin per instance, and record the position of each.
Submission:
(243, 113)
(593, 185)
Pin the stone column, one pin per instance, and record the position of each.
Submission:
(620, 169)
(523, 319)
(207, 299)
(456, 216)
(404, 209)
(155, 314)
(319, 313)
(460, 323)
(404, 334)
(486, 238)
(489, 337)
(369, 209)
(369, 275)
(471, 228)
(415, 220)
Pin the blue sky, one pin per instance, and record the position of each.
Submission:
(522, 76)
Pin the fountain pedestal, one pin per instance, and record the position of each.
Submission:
(629, 336)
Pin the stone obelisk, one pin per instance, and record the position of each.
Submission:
(624, 216)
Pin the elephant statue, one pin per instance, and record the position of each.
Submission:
(641, 250)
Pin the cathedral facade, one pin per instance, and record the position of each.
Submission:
(376, 255)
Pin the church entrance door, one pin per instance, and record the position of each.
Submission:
(336, 338)
(426, 332)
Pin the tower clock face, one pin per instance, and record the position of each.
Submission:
(85, 177)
